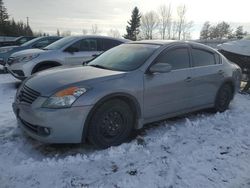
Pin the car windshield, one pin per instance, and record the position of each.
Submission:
(60, 43)
(126, 57)
(16, 39)
(31, 41)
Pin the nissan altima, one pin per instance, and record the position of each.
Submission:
(123, 89)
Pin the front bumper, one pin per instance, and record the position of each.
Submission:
(64, 125)
(2, 62)
(19, 74)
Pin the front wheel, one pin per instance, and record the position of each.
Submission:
(223, 98)
(111, 124)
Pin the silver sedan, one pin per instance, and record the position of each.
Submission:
(123, 89)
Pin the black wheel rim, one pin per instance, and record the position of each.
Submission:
(112, 124)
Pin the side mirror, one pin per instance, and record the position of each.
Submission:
(160, 68)
(71, 50)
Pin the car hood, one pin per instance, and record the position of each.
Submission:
(241, 47)
(6, 47)
(49, 82)
(28, 51)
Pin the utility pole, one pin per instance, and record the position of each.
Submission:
(27, 20)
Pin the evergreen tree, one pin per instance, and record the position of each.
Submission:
(239, 33)
(10, 27)
(28, 31)
(224, 30)
(221, 31)
(3, 18)
(133, 25)
(205, 31)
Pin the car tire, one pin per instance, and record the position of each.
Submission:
(42, 68)
(111, 124)
(223, 98)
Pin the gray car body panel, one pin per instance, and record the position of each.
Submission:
(82, 76)
(158, 95)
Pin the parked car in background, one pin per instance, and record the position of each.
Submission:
(239, 52)
(73, 50)
(17, 41)
(39, 42)
(128, 86)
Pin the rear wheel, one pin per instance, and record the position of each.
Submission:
(111, 124)
(223, 98)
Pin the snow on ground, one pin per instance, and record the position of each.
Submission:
(194, 151)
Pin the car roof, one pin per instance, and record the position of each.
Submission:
(172, 42)
(99, 36)
(156, 42)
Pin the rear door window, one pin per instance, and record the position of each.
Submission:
(203, 58)
(87, 45)
(109, 43)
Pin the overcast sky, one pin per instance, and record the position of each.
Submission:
(74, 15)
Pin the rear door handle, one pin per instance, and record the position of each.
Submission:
(188, 79)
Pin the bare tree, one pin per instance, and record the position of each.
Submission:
(84, 31)
(66, 33)
(149, 23)
(58, 32)
(181, 13)
(95, 30)
(174, 30)
(165, 21)
(114, 33)
(186, 30)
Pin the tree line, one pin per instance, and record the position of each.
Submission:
(161, 25)
(165, 23)
(9, 27)
(222, 30)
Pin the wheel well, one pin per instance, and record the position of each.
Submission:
(133, 103)
(45, 63)
(229, 82)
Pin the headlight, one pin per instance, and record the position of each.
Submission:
(64, 98)
(26, 58)
(5, 50)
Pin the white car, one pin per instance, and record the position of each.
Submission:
(73, 50)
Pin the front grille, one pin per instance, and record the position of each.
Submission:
(42, 131)
(29, 126)
(27, 95)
